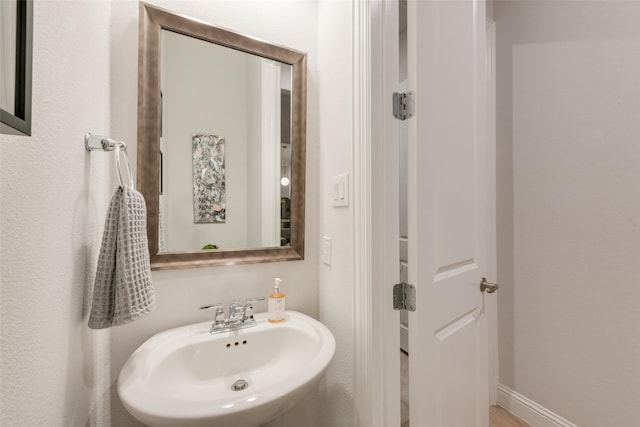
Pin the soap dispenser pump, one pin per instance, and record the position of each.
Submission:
(276, 303)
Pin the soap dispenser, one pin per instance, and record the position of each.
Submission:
(276, 303)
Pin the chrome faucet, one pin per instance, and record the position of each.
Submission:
(240, 316)
(236, 312)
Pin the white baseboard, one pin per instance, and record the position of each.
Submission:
(528, 410)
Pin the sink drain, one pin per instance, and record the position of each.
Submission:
(239, 385)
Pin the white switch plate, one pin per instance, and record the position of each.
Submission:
(340, 190)
(326, 250)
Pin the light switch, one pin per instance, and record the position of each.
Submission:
(326, 250)
(341, 190)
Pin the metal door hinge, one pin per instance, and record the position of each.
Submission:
(402, 105)
(404, 297)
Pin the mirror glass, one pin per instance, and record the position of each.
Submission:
(221, 144)
(8, 14)
(225, 143)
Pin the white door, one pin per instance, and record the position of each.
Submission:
(448, 213)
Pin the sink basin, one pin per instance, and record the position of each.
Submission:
(189, 377)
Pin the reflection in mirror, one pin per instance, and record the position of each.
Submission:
(221, 144)
(225, 142)
(8, 14)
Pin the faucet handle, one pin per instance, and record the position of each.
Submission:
(249, 301)
(248, 312)
(219, 312)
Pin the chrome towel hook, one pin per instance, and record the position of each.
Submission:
(103, 143)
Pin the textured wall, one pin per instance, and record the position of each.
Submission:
(568, 207)
(53, 200)
(55, 371)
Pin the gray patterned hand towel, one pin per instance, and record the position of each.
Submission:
(123, 291)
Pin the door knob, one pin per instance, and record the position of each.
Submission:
(488, 287)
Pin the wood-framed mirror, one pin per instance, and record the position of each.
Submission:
(221, 144)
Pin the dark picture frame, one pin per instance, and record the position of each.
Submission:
(19, 122)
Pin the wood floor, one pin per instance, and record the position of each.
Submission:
(500, 417)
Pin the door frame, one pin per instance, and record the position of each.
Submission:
(376, 251)
(492, 303)
(376, 367)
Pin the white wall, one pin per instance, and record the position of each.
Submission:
(568, 78)
(179, 293)
(336, 144)
(53, 197)
(54, 370)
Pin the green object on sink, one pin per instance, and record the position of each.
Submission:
(209, 246)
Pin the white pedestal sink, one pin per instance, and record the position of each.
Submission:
(187, 377)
